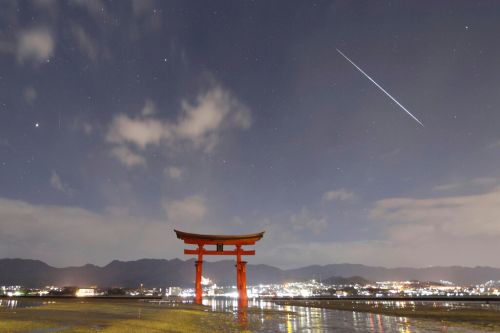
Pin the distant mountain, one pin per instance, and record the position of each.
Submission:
(176, 272)
(339, 280)
(456, 274)
(150, 272)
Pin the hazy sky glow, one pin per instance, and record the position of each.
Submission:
(120, 121)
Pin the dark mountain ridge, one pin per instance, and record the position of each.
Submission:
(339, 280)
(176, 272)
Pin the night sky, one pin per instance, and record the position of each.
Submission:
(120, 121)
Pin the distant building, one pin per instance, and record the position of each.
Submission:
(173, 291)
(85, 292)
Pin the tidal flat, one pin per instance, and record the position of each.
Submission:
(110, 316)
(473, 315)
(222, 315)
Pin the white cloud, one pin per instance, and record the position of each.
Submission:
(386, 253)
(305, 221)
(128, 157)
(83, 124)
(484, 181)
(446, 187)
(140, 132)
(493, 145)
(187, 211)
(339, 195)
(457, 230)
(468, 184)
(459, 216)
(86, 44)
(213, 111)
(200, 125)
(72, 236)
(57, 183)
(35, 45)
(448, 230)
(174, 172)
(149, 108)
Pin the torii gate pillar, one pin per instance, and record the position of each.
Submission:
(198, 287)
(241, 275)
(241, 280)
(220, 240)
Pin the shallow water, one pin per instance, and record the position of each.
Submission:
(315, 320)
(15, 303)
(266, 316)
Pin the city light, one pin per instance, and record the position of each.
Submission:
(302, 289)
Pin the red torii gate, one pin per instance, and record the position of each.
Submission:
(219, 241)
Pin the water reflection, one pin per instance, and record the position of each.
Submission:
(491, 305)
(272, 317)
(9, 304)
(265, 316)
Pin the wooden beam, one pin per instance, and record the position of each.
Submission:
(221, 253)
(197, 241)
(187, 235)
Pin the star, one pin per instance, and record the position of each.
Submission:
(37, 124)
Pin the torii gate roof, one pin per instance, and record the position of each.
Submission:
(190, 238)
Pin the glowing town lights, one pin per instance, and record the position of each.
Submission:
(85, 292)
(232, 295)
(291, 289)
(305, 293)
(205, 281)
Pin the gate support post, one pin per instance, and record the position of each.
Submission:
(241, 278)
(199, 272)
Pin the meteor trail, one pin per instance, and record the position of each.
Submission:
(375, 83)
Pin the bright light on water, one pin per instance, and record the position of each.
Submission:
(315, 320)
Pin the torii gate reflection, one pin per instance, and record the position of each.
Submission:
(219, 241)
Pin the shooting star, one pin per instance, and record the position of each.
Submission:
(378, 86)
